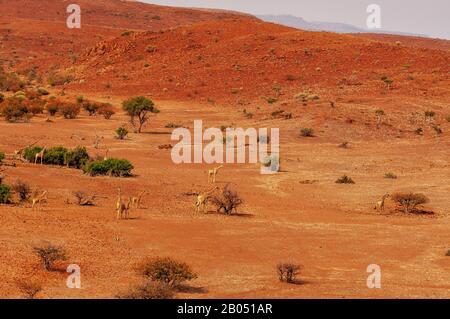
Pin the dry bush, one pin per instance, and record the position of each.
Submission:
(14, 110)
(22, 189)
(84, 200)
(149, 290)
(49, 254)
(227, 201)
(29, 288)
(166, 270)
(345, 180)
(52, 106)
(390, 175)
(409, 201)
(69, 110)
(307, 132)
(106, 110)
(288, 271)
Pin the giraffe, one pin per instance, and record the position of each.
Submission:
(40, 155)
(136, 201)
(18, 154)
(37, 200)
(212, 173)
(380, 204)
(202, 200)
(122, 209)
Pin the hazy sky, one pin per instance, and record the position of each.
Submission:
(430, 17)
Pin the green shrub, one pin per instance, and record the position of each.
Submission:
(80, 99)
(2, 156)
(2, 98)
(30, 153)
(166, 270)
(56, 79)
(121, 133)
(77, 157)
(55, 156)
(344, 180)
(5, 194)
(272, 100)
(90, 107)
(110, 166)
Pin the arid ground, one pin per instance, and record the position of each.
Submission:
(199, 69)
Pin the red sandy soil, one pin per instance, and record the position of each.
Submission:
(298, 215)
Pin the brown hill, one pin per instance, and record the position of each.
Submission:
(243, 60)
(34, 33)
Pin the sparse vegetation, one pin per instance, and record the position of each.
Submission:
(429, 115)
(139, 108)
(437, 129)
(390, 175)
(2, 157)
(22, 189)
(106, 110)
(69, 110)
(409, 201)
(82, 199)
(287, 272)
(109, 167)
(121, 133)
(344, 145)
(56, 79)
(49, 254)
(14, 110)
(345, 180)
(419, 131)
(29, 289)
(307, 132)
(149, 290)
(227, 201)
(166, 270)
(5, 194)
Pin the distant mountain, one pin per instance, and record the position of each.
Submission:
(300, 23)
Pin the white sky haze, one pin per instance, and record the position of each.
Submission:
(431, 17)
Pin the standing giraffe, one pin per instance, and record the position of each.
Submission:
(40, 155)
(380, 204)
(202, 200)
(212, 173)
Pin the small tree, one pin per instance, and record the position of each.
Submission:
(49, 254)
(139, 109)
(166, 270)
(409, 201)
(22, 189)
(288, 271)
(29, 288)
(121, 133)
(228, 201)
